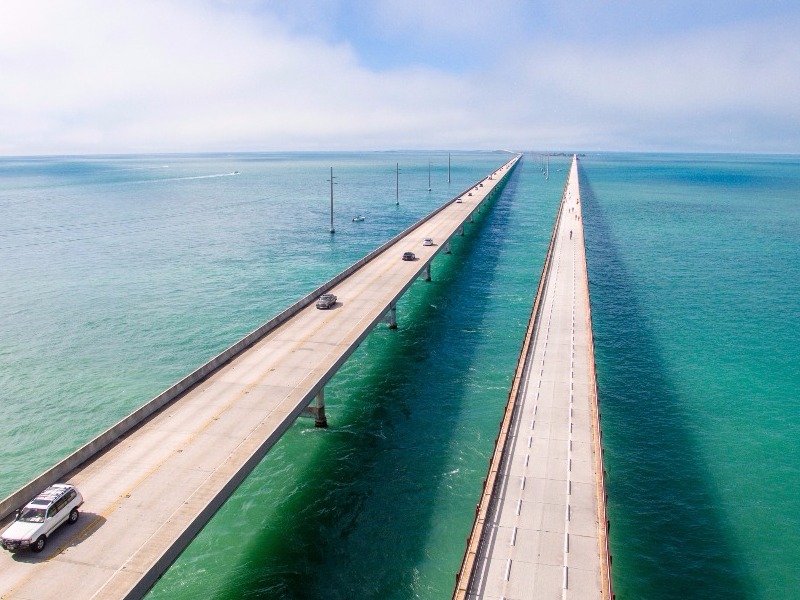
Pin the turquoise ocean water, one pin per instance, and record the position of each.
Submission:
(118, 275)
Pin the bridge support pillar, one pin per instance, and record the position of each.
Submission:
(470, 217)
(447, 247)
(317, 411)
(461, 231)
(428, 272)
(320, 420)
(391, 317)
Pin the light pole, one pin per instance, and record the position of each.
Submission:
(397, 184)
(331, 180)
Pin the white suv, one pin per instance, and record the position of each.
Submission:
(40, 517)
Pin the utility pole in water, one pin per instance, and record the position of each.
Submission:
(397, 183)
(331, 180)
(448, 167)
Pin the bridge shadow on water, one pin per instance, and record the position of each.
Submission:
(357, 522)
(667, 538)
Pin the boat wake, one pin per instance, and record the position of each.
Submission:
(144, 168)
(187, 178)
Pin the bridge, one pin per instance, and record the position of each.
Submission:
(153, 480)
(540, 529)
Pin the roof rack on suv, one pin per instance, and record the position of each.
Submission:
(39, 518)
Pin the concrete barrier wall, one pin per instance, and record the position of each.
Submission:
(109, 436)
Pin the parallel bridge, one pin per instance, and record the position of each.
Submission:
(540, 529)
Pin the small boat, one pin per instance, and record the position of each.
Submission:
(358, 218)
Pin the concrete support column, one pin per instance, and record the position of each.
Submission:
(462, 230)
(428, 272)
(316, 410)
(470, 217)
(392, 315)
(320, 420)
(447, 247)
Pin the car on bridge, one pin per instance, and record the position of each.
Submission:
(409, 256)
(39, 518)
(427, 242)
(326, 301)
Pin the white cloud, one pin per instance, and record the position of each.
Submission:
(91, 76)
(733, 88)
(161, 76)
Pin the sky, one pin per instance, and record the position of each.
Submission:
(136, 76)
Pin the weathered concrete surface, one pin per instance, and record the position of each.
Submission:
(540, 529)
(152, 490)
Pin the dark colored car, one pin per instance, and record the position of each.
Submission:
(326, 301)
(409, 256)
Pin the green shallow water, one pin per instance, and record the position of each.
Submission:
(694, 269)
(121, 274)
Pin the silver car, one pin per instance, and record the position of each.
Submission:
(40, 517)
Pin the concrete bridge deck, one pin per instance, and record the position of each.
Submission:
(150, 486)
(540, 529)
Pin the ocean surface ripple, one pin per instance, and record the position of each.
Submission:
(121, 274)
